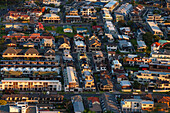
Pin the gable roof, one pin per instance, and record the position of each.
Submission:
(31, 51)
(164, 99)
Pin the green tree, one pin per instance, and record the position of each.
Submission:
(52, 5)
(148, 38)
(136, 85)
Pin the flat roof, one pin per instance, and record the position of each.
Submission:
(141, 43)
(79, 43)
(111, 3)
(70, 74)
(154, 27)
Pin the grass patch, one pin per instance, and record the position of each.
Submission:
(59, 30)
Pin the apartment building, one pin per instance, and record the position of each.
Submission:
(70, 79)
(111, 5)
(51, 18)
(163, 54)
(88, 13)
(25, 68)
(148, 76)
(34, 38)
(25, 84)
(124, 9)
(42, 54)
(72, 16)
(33, 98)
(160, 66)
(133, 60)
(136, 105)
(155, 30)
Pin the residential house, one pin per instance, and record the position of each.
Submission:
(121, 78)
(51, 18)
(111, 55)
(106, 84)
(108, 103)
(27, 84)
(100, 67)
(111, 47)
(125, 46)
(63, 44)
(72, 16)
(116, 64)
(79, 46)
(15, 15)
(94, 104)
(98, 57)
(81, 30)
(67, 56)
(141, 46)
(155, 47)
(67, 29)
(94, 44)
(125, 30)
(165, 99)
(47, 43)
(126, 86)
(77, 102)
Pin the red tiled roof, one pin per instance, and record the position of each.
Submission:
(164, 99)
(93, 99)
(156, 44)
